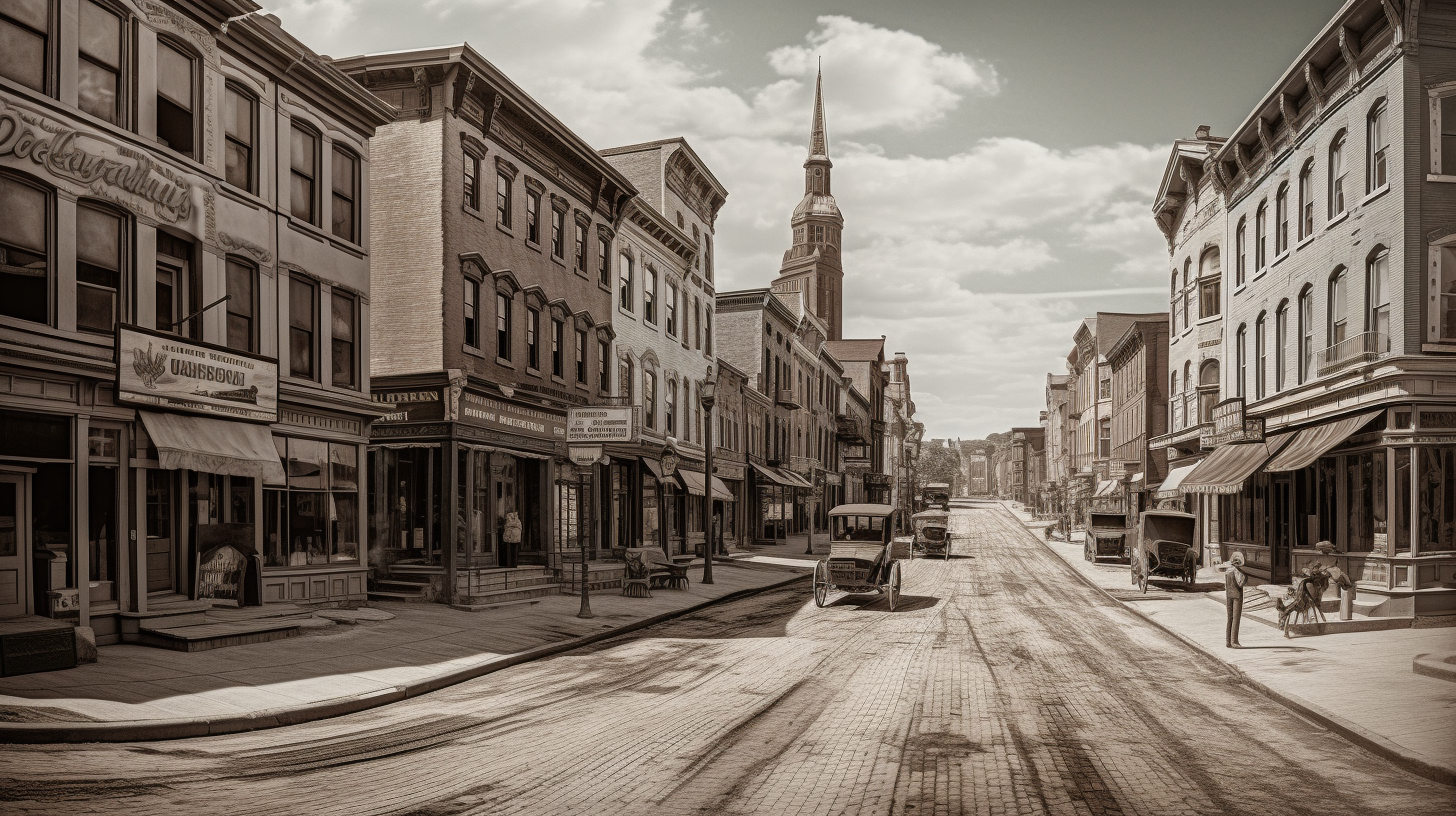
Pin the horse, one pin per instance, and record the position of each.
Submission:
(1308, 591)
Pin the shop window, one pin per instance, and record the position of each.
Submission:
(1337, 176)
(99, 62)
(1375, 143)
(472, 313)
(404, 491)
(303, 161)
(533, 339)
(176, 99)
(345, 317)
(581, 357)
(558, 233)
(302, 326)
(344, 178)
(313, 520)
(625, 294)
(670, 310)
(503, 304)
(533, 217)
(100, 255)
(503, 200)
(1400, 541)
(25, 27)
(25, 261)
(558, 348)
(472, 180)
(242, 305)
(604, 366)
(240, 128)
(1365, 498)
(28, 435)
(1436, 525)
(178, 290)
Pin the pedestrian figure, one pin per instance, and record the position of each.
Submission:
(1234, 579)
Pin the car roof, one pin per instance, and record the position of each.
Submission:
(862, 510)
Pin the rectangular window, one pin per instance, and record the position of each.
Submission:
(1240, 252)
(242, 306)
(581, 357)
(99, 61)
(533, 217)
(1448, 135)
(698, 323)
(239, 126)
(1209, 297)
(472, 181)
(604, 366)
(472, 313)
(708, 332)
(25, 27)
(1446, 307)
(1240, 361)
(1261, 238)
(533, 339)
(604, 261)
(314, 520)
(558, 338)
(99, 256)
(303, 174)
(1377, 291)
(670, 310)
(649, 296)
(302, 320)
(346, 194)
(581, 248)
(1281, 222)
(502, 326)
(670, 408)
(649, 399)
(1306, 337)
(624, 285)
(1281, 346)
(176, 78)
(345, 319)
(503, 200)
(178, 295)
(558, 234)
(1337, 178)
(1375, 144)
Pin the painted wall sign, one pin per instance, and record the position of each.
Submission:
(159, 370)
(517, 419)
(597, 425)
(723, 471)
(411, 406)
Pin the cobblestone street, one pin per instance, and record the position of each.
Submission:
(1002, 685)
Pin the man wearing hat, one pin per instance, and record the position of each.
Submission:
(1234, 579)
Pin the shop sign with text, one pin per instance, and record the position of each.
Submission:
(1230, 425)
(598, 425)
(423, 405)
(163, 371)
(512, 418)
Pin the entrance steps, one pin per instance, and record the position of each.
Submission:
(490, 587)
(193, 626)
(599, 577)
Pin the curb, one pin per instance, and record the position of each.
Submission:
(1363, 737)
(148, 730)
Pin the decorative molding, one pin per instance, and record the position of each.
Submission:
(1265, 139)
(1316, 83)
(473, 146)
(209, 216)
(232, 244)
(161, 15)
(422, 86)
(534, 185)
(1350, 50)
(1240, 159)
(505, 168)
(1288, 110)
(560, 203)
(582, 217)
(606, 231)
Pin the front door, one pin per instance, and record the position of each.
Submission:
(1281, 529)
(161, 532)
(14, 545)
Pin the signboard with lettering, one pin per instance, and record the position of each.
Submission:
(598, 425)
(1230, 425)
(411, 406)
(584, 455)
(159, 370)
(726, 471)
(540, 423)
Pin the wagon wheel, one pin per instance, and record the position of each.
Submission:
(821, 583)
(894, 585)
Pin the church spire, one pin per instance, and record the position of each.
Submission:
(818, 142)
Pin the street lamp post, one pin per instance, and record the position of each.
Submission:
(708, 396)
(583, 533)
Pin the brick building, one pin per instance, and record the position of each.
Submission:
(1139, 364)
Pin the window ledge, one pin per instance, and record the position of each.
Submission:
(1240, 288)
(1334, 222)
(559, 261)
(1440, 177)
(1305, 241)
(534, 372)
(242, 196)
(533, 245)
(505, 229)
(472, 212)
(604, 287)
(1439, 348)
(625, 311)
(1278, 259)
(1377, 193)
(472, 351)
(501, 361)
(582, 273)
(1213, 318)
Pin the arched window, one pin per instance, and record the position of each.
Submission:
(101, 253)
(625, 295)
(1207, 390)
(1337, 176)
(1375, 137)
(1240, 252)
(671, 412)
(1185, 296)
(1281, 345)
(27, 268)
(1377, 295)
(1173, 295)
(1306, 200)
(1338, 311)
(1261, 355)
(1261, 236)
(1190, 395)
(1175, 403)
(1281, 220)
(1241, 360)
(1210, 283)
(624, 380)
(649, 399)
(1306, 334)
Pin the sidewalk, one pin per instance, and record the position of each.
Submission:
(142, 693)
(1359, 684)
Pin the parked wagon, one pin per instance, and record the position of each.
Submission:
(864, 553)
(1107, 537)
(932, 533)
(1167, 546)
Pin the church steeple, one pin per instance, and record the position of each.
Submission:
(818, 165)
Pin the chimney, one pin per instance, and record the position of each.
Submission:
(1203, 132)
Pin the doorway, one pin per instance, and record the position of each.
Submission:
(1281, 530)
(161, 533)
(14, 544)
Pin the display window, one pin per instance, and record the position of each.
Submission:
(313, 520)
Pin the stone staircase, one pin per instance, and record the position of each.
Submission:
(193, 626)
(482, 588)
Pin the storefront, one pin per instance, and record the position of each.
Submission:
(731, 509)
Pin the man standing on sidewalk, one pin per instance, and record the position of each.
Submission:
(1234, 579)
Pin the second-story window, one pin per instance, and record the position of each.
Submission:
(344, 315)
(604, 261)
(303, 174)
(1241, 362)
(1335, 332)
(177, 288)
(242, 306)
(533, 217)
(100, 253)
(1261, 356)
(1261, 237)
(1377, 293)
(604, 366)
(558, 233)
(1210, 284)
(581, 357)
(625, 295)
(1375, 147)
(670, 408)
(302, 323)
(345, 182)
(697, 323)
(670, 310)
(99, 63)
(1337, 176)
(240, 117)
(472, 313)
(558, 351)
(533, 339)
(1306, 335)
(1240, 253)
(176, 95)
(708, 332)
(1281, 346)
(1281, 220)
(581, 250)
(472, 181)
(649, 296)
(649, 399)
(502, 326)
(1306, 200)
(25, 28)
(503, 200)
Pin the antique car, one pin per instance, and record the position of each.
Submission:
(1107, 537)
(1167, 546)
(937, 495)
(932, 533)
(864, 553)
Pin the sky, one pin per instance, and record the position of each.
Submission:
(996, 162)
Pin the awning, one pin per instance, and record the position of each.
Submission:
(653, 466)
(1312, 443)
(1225, 470)
(773, 475)
(693, 482)
(1169, 489)
(795, 480)
(1137, 478)
(214, 446)
(1105, 489)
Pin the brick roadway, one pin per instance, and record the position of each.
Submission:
(1002, 686)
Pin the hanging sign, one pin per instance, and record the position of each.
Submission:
(584, 455)
(597, 425)
(160, 370)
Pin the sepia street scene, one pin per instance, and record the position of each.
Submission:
(505, 407)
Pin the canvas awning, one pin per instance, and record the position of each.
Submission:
(1169, 489)
(653, 466)
(1105, 489)
(795, 480)
(773, 475)
(692, 481)
(1225, 470)
(1312, 443)
(214, 446)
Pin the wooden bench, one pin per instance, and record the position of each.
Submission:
(662, 573)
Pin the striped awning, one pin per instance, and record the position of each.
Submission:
(1312, 443)
(692, 481)
(1169, 489)
(1225, 470)
(773, 475)
(1105, 489)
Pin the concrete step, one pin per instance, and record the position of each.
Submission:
(206, 636)
(391, 595)
(506, 595)
(465, 607)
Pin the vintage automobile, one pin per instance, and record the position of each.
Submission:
(1167, 546)
(864, 553)
(1107, 537)
(932, 533)
(937, 495)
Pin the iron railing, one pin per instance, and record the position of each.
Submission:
(1358, 348)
